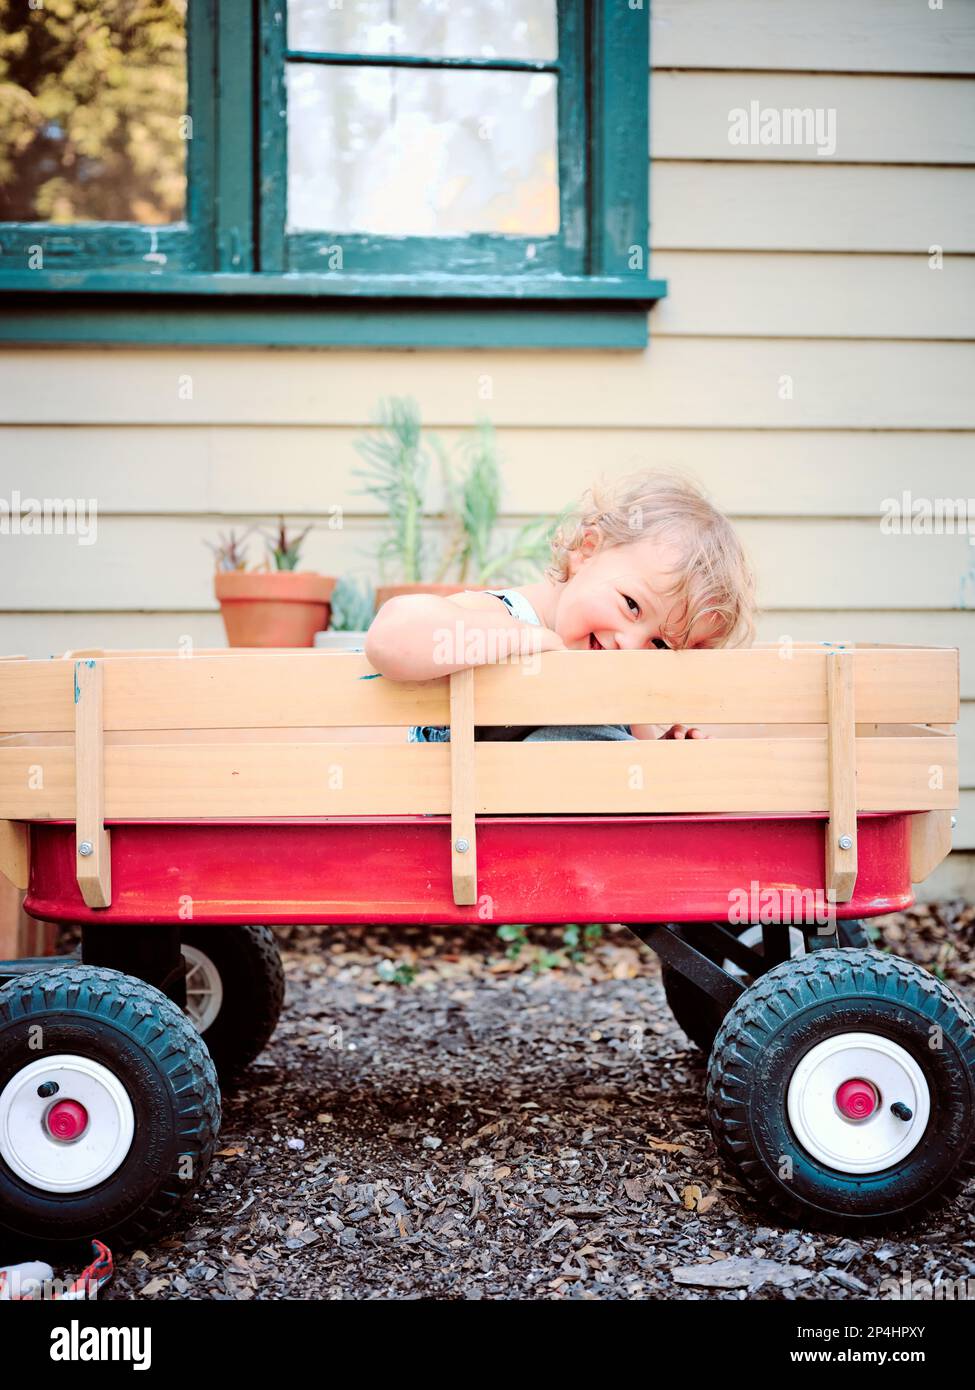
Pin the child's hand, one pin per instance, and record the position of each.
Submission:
(682, 731)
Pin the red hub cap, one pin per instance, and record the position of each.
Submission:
(856, 1099)
(67, 1119)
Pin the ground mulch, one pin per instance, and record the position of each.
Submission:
(435, 1120)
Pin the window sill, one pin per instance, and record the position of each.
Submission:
(340, 310)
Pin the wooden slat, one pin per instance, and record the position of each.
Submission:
(92, 846)
(14, 862)
(53, 632)
(463, 788)
(780, 207)
(282, 779)
(879, 120)
(841, 828)
(11, 920)
(21, 935)
(869, 36)
(930, 842)
(771, 685)
(844, 386)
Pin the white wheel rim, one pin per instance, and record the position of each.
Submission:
(752, 936)
(869, 1145)
(32, 1152)
(204, 988)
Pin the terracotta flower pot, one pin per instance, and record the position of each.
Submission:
(280, 608)
(385, 591)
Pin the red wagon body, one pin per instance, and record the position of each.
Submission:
(396, 870)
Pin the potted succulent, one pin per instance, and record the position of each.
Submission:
(352, 609)
(474, 505)
(274, 604)
(398, 462)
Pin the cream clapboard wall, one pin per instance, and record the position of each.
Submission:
(780, 262)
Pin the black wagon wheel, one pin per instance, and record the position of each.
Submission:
(841, 1090)
(698, 1014)
(109, 1107)
(234, 991)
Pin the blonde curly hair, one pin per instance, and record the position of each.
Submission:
(713, 575)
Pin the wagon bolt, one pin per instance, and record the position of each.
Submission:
(462, 846)
(85, 848)
(901, 1111)
(49, 1088)
(846, 842)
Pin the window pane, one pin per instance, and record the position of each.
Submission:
(426, 28)
(93, 111)
(411, 152)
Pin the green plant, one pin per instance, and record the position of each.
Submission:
(229, 550)
(515, 937)
(392, 974)
(579, 943)
(283, 549)
(479, 500)
(546, 960)
(397, 459)
(353, 608)
(527, 552)
(474, 504)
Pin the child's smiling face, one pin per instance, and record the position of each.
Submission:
(615, 596)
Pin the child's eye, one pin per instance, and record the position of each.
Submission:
(636, 606)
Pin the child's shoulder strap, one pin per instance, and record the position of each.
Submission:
(518, 605)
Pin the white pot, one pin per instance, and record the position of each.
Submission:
(341, 641)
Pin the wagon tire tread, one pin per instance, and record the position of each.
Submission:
(746, 1030)
(156, 1025)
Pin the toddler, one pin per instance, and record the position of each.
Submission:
(645, 561)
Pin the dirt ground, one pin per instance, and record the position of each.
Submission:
(498, 1129)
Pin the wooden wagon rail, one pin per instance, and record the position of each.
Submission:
(166, 735)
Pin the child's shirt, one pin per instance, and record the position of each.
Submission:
(520, 608)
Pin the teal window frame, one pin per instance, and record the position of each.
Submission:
(129, 247)
(234, 275)
(478, 253)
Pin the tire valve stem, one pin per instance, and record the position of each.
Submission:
(49, 1088)
(901, 1110)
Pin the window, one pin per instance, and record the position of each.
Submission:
(415, 172)
(105, 135)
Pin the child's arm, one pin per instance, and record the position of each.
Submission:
(418, 637)
(662, 731)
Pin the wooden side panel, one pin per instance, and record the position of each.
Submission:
(298, 779)
(781, 684)
(14, 864)
(930, 842)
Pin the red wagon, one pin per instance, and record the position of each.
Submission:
(168, 802)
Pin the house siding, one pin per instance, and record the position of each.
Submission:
(781, 264)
